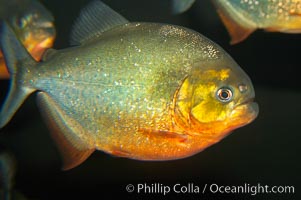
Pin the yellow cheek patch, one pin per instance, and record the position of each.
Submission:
(209, 111)
(197, 97)
(222, 74)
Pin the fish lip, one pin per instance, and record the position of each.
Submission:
(250, 105)
(44, 25)
(249, 100)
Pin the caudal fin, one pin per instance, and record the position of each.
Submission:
(19, 62)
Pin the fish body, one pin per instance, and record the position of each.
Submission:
(33, 25)
(241, 18)
(144, 91)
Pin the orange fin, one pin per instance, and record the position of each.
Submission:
(3, 70)
(164, 134)
(120, 153)
(73, 149)
(237, 32)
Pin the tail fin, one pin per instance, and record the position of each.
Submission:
(18, 62)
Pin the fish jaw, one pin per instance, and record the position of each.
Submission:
(239, 117)
(243, 114)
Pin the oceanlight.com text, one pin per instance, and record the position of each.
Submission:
(213, 188)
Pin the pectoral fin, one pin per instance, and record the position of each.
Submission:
(237, 31)
(65, 131)
(48, 54)
(175, 137)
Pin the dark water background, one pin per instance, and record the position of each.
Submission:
(266, 151)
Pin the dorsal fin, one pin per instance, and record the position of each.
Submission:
(94, 19)
(237, 31)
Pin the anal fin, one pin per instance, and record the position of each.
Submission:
(237, 32)
(65, 131)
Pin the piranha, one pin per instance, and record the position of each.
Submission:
(145, 91)
(33, 25)
(243, 17)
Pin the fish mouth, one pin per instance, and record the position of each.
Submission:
(45, 24)
(249, 104)
(247, 110)
(248, 101)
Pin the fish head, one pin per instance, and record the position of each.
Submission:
(215, 98)
(35, 28)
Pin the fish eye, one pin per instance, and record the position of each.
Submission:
(224, 94)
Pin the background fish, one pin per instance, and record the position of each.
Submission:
(241, 18)
(139, 90)
(7, 176)
(33, 25)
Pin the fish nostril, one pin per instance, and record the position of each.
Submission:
(242, 88)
